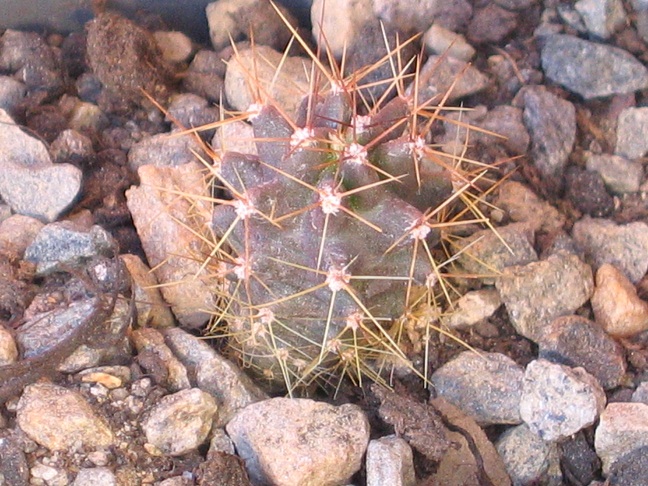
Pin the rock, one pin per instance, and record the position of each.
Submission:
(166, 150)
(72, 147)
(577, 341)
(640, 395)
(558, 401)
(454, 15)
(212, 373)
(299, 441)
(175, 46)
(439, 74)
(34, 62)
(157, 359)
(259, 65)
(239, 20)
(615, 303)
(49, 475)
(529, 459)
(589, 69)
(405, 15)
(220, 442)
(29, 182)
(491, 24)
(537, 293)
(551, 123)
(60, 419)
(126, 59)
(486, 386)
(516, 4)
(110, 377)
(490, 252)
(602, 18)
(472, 308)
(16, 234)
(180, 423)
(151, 308)
(205, 74)
(94, 476)
(88, 118)
(8, 349)
(188, 110)
(14, 468)
(161, 219)
(523, 205)
(66, 244)
(12, 93)
(390, 461)
(237, 136)
(336, 23)
(630, 469)
(624, 246)
(619, 174)
(439, 40)
(586, 191)
(632, 126)
(579, 459)
(622, 429)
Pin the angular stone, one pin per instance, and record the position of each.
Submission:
(623, 428)
(632, 133)
(390, 461)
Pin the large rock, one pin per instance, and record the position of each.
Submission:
(300, 442)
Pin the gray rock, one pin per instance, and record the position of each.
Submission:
(558, 401)
(192, 111)
(337, 23)
(486, 386)
(472, 308)
(390, 461)
(640, 395)
(94, 476)
(551, 123)
(236, 136)
(12, 93)
(13, 463)
(221, 442)
(166, 150)
(259, 65)
(439, 40)
(624, 246)
(577, 341)
(72, 147)
(516, 4)
(622, 429)
(290, 442)
(632, 133)
(641, 17)
(238, 19)
(491, 24)
(529, 459)
(67, 244)
(214, 374)
(537, 293)
(454, 15)
(180, 423)
(589, 69)
(602, 18)
(630, 469)
(161, 218)
(205, 74)
(619, 174)
(438, 75)
(579, 458)
(29, 182)
(60, 419)
(523, 205)
(490, 252)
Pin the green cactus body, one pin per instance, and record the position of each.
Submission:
(329, 232)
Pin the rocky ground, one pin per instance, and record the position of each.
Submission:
(103, 375)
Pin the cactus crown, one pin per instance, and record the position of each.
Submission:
(335, 237)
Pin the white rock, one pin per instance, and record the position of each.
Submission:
(96, 476)
(623, 428)
(390, 461)
(632, 133)
(439, 40)
(558, 401)
(300, 442)
(179, 423)
(175, 46)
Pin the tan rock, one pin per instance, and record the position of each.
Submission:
(523, 205)
(60, 419)
(8, 349)
(616, 306)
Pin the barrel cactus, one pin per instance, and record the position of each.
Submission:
(331, 237)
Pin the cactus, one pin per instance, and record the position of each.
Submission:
(334, 238)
